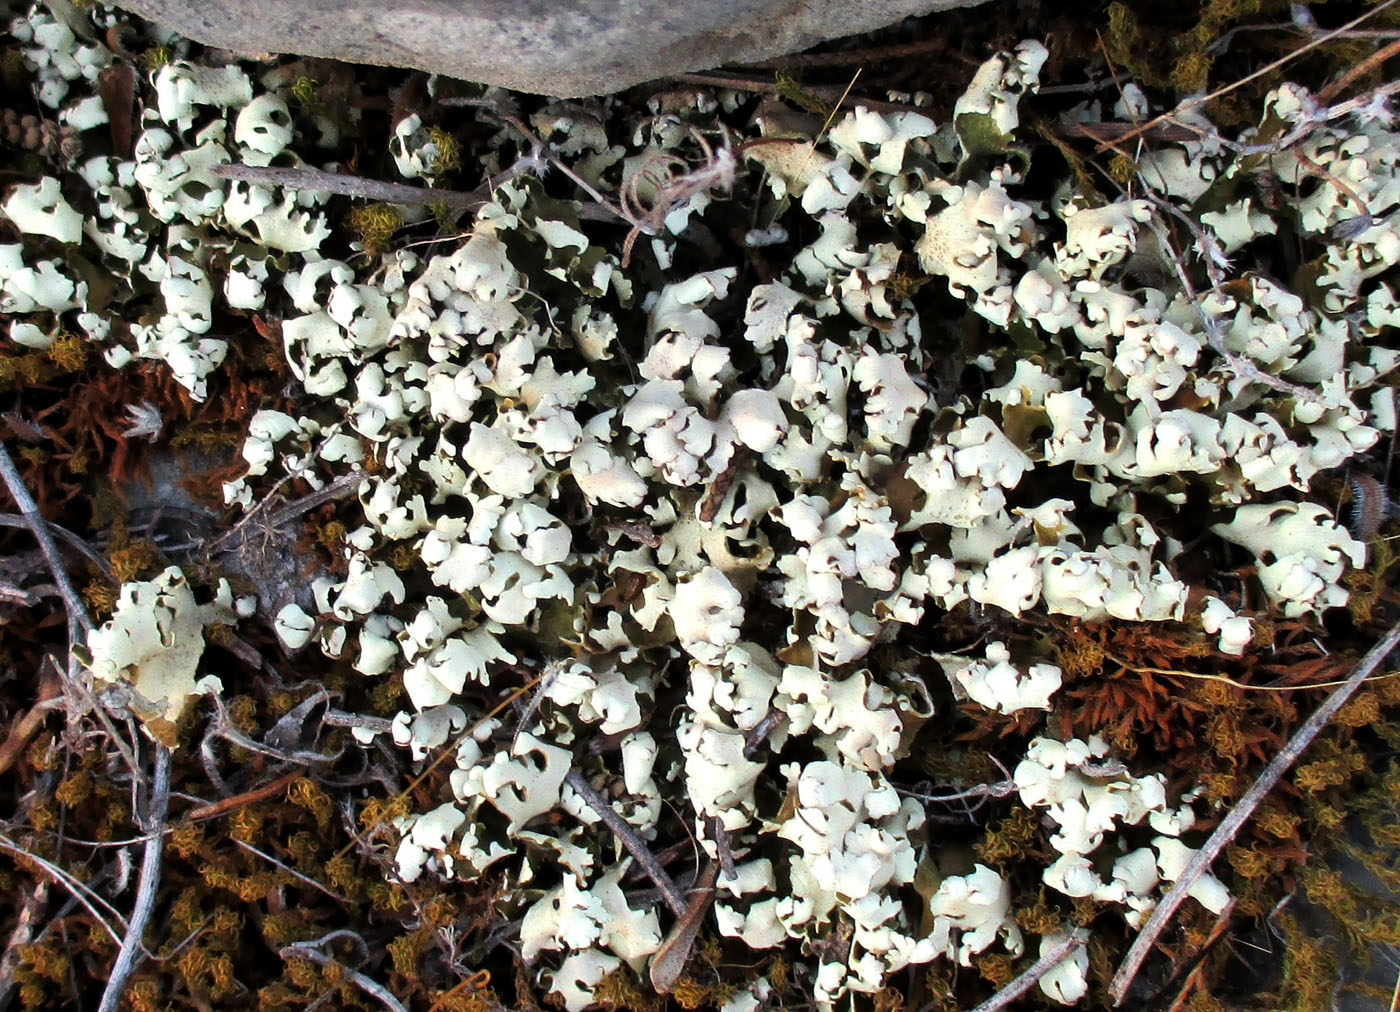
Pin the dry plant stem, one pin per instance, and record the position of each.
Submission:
(675, 902)
(1230, 825)
(217, 808)
(442, 756)
(304, 879)
(29, 911)
(1197, 976)
(1282, 61)
(340, 488)
(1309, 123)
(668, 964)
(311, 951)
(339, 718)
(10, 520)
(80, 687)
(769, 88)
(1028, 979)
(79, 890)
(1000, 789)
(349, 186)
(147, 884)
(77, 613)
(1365, 66)
(1243, 368)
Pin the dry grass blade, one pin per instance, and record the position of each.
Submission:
(1231, 824)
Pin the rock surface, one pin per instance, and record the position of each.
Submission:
(567, 48)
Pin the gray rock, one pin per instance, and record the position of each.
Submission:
(567, 48)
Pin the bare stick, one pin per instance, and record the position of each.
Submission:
(341, 488)
(740, 83)
(217, 808)
(79, 889)
(1230, 825)
(628, 837)
(339, 718)
(77, 613)
(10, 520)
(307, 879)
(1364, 67)
(1028, 979)
(349, 186)
(670, 960)
(29, 911)
(1198, 100)
(312, 951)
(147, 885)
(999, 789)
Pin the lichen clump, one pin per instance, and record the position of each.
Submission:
(708, 508)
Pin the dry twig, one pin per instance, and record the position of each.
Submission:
(1023, 982)
(77, 613)
(312, 951)
(1199, 100)
(669, 962)
(129, 955)
(350, 186)
(629, 840)
(1230, 825)
(29, 911)
(90, 553)
(80, 891)
(223, 807)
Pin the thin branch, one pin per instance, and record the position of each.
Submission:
(80, 687)
(215, 809)
(77, 612)
(312, 951)
(350, 186)
(339, 718)
(305, 879)
(999, 789)
(29, 911)
(1230, 825)
(1365, 66)
(766, 87)
(147, 886)
(1023, 982)
(670, 960)
(629, 840)
(1195, 978)
(92, 555)
(79, 889)
(1282, 61)
(341, 488)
